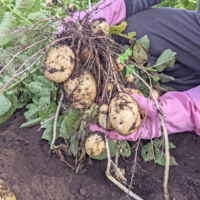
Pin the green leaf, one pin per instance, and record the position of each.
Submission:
(132, 34)
(168, 88)
(24, 5)
(46, 107)
(48, 133)
(2, 11)
(69, 123)
(59, 122)
(13, 99)
(42, 79)
(140, 54)
(31, 114)
(113, 150)
(31, 123)
(36, 100)
(36, 16)
(73, 147)
(8, 24)
(171, 145)
(5, 104)
(155, 77)
(145, 42)
(129, 52)
(147, 152)
(166, 59)
(160, 158)
(165, 78)
(38, 88)
(126, 149)
(124, 145)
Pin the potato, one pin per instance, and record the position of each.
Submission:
(94, 145)
(119, 66)
(5, 193)
(110, 87)
(134, 91)
(59, 64)
(117, 176)
(84, 54)
(100, 27)
(80, 92)
(102, 112)
(131, 78)
(124, 114)
(72, 7)
(156, 94)
(50, 3)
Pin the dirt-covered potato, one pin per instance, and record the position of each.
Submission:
(5, 193)
(94, 145)
(50, 3)
(59, 64)
(102, 112)
(80, 92)
(155, 92)
(117, 176)
(124, 114)
(131, 78)
(134, 91)
(119, 66)
(84, 54)
(72, 7)
(100, 27)
(110, 87)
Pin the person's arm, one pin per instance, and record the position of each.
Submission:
(198, 12)
(133, 6)
(182, 111)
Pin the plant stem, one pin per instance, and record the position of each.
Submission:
(20, 16)
(15, 84)
(55, 122)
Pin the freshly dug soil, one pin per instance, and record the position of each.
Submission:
(32, 173)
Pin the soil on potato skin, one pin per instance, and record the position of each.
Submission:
(29, 171)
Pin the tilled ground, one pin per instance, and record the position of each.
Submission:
(33, 174)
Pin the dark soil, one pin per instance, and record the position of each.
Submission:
(33, 174)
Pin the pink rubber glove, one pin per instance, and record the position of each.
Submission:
(182, 111)
(114, 11)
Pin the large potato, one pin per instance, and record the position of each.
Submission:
(59, 64)
(94, 145)
(124, 114)
(81, 91)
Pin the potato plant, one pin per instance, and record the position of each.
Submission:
(68, 81)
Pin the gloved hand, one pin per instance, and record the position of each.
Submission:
(182, 111)
(114, 11)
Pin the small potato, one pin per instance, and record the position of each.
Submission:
(110, 87)
(59, 64)
(156, 94)
(94, 145)
(119, 66)
(131, 78)
(84, 54)
(124, 114)
(117, 176)
(80, 92)
(72, 7)
(100, 27)
(50, 3)
(102, 112)
(134, 91)
(5, 193)
(103, 109)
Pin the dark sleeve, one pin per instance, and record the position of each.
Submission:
(198, 12)
(133, 6)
